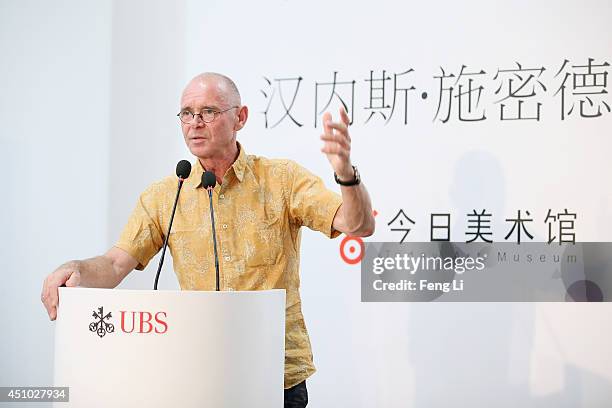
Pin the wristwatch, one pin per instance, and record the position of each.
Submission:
(355, 181)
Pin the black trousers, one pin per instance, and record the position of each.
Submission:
(296, 396)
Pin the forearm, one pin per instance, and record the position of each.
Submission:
(98, 272)
(356, 210)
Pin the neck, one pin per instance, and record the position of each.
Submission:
(220, 164)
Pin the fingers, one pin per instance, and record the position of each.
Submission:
(49, 296)
(336, 137)
(340, 127)
(344, 116)
(327, 118)
(337, 141)
(44, 298)
(335, 149)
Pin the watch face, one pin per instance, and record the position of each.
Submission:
(356, 178)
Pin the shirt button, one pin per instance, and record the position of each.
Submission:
(224, 226)
(222, 196)
(227, 258)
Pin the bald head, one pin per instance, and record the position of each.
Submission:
(223, 85)
(214, 139)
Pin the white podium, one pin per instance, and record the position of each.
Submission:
(129, 348)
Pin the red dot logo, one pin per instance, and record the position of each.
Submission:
(352, 250)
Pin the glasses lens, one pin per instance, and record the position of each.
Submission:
(186, 116)
(208, 115)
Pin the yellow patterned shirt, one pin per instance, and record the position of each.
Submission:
(259, 209)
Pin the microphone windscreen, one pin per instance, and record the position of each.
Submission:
(183, 169)
(209, 179)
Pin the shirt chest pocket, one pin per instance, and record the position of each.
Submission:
(262, 242)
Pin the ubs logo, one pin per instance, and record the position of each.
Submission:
(140, 322)
(101, 326)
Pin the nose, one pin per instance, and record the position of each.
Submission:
(197, 120)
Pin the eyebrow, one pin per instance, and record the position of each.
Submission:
(203, 108)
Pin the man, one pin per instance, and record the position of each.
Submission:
(260, 205)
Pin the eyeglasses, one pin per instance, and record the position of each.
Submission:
(207, 115)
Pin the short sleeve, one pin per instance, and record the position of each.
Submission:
(142, 237)
(311, 204)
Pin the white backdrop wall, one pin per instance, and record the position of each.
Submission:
(54, 140)
(110, 60)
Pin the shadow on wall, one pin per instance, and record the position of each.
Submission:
(480, 354)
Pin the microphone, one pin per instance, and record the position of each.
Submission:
(209, 180)
(183, 169)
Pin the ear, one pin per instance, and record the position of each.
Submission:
(243, 115)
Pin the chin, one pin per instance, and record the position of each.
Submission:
(200, 152)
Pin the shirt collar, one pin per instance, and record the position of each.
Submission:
(195, 178)
(239, 165)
